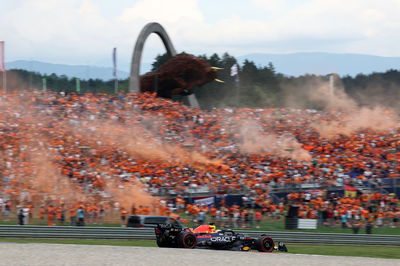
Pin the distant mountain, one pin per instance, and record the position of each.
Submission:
(289, 64)
(79, 71)
(324, 63)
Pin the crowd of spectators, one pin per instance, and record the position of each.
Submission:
(348, 211)
(89, 150)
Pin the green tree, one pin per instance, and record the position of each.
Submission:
(159, 61)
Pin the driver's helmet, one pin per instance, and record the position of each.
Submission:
(212, 228)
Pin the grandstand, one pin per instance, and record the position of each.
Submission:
(105, 153)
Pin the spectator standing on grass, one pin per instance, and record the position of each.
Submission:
(92, 214)
(80, 214)
(213, 214)
(250, 218)
(235, 218)
(7, 210)
(101, 214)
(356, 226)
(242, 216)
(324, 214)
(42, 212)
(123, 214)
(30, 206)
(344, 220)
(349, 215)
(258, 217)
(218, 218)
(72, 216)
(397, 218)
(50, 215)
(1, 207)
(60, 215)
(223, 216)
(26, 214)
(335, 217)
(368, 227)
(116, 208)
(379, 218)
(21, 217)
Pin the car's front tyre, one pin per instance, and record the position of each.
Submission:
(265, 244)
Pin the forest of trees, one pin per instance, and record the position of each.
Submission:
(255, 86)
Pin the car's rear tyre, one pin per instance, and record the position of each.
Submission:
(187, 240)
(162, 242)
(265, 244)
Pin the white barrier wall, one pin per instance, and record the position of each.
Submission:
(307, 224)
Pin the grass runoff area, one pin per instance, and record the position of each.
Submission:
(389, 252)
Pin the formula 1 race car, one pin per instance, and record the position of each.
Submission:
(206, 236)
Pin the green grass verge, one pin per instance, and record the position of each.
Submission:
(389, 252)
(109, 242)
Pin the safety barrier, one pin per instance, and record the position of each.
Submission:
(15, 231)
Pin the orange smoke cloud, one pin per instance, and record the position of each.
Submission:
(254, 141)
(350, 117)
(38, 166)
(140, 143)
(133, 193)
(375, 119)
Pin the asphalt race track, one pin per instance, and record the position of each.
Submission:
(55, 254)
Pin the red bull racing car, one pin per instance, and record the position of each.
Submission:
(206, 236)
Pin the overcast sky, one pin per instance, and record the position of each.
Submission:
(85, 31)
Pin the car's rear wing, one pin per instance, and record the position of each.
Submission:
(171, 228)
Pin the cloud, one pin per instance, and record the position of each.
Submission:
(172, 11)
(82, 31)
(59, 28)
(332, 26)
